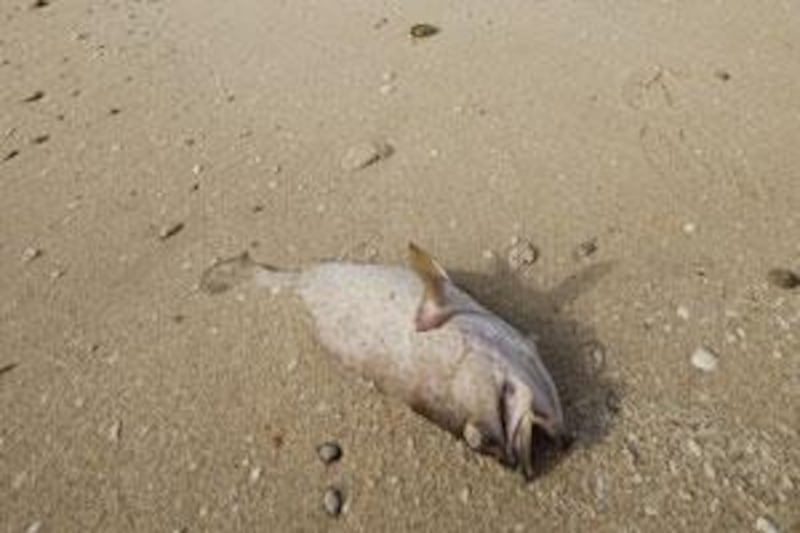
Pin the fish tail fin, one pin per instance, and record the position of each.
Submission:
(243, 270)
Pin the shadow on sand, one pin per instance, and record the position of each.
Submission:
(569, 349)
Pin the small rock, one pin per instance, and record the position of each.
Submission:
(683, 312)
(386, 89)
(364, 154)
(521, 254)
(689, 228)
(765, 525)
(423, 30)
(704, 359)
(329, 452)
(255, 474)
(115, 431)
(35, 97)
(596, 354)
(34, 527)
(170, 230)
(464, 495)
(332, 501)
(613, 402)
(197, 169)
(722, 74)
(585, 249)
(783, 278)
(30, 253)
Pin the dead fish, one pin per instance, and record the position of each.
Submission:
(418, 337)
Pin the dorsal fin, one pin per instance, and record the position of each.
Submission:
(433, 310)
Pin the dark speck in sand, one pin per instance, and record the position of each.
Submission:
(421, 31)
(783, 278)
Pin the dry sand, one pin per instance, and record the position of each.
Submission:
(666, 131)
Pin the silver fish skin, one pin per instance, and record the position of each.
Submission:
(422, 339)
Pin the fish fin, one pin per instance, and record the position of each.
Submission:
(225, 274)
(433, 310)
(242, 270)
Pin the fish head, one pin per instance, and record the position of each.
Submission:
(502, 388)
(531, 414)
(512, 409)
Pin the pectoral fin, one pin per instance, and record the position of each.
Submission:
(433, 310)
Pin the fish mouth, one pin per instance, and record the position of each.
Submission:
(536, 444)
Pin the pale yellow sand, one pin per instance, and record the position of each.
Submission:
(667, 131)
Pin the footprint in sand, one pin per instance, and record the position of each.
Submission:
(680, 140)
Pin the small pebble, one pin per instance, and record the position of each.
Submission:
(722, 75)
(255, 474)
(332, 501)
(197, 169)
(783, 278)
(765, 525)
(364, 154)
(421, 31)
(613, 402)
(683, 312)
(115, 431)
(704, 359)
(35, 97)
(170, 230)
(689, 228)
(522, 254)
(34, 527)
(585, 249)
(30, 253)
(329, 452)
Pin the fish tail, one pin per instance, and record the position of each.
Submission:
(243, 270)
(268, 277)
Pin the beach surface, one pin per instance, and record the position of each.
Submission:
(617, 179)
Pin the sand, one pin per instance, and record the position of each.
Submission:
(649, 152)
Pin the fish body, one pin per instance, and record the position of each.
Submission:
(424, 340)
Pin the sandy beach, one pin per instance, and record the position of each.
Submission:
(617, 179)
